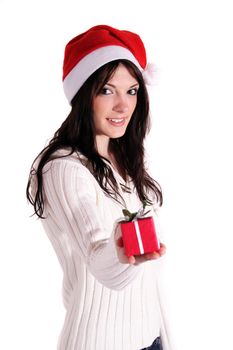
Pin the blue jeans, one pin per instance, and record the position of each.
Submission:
(157, 345)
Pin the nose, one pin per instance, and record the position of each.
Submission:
(121, 104)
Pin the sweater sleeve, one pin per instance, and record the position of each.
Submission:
(71, 200)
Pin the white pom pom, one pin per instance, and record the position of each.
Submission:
(150, 74)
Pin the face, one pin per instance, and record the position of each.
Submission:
(114, 105)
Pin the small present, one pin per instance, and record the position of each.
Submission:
(139, 233)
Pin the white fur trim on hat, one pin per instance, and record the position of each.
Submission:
(90, 63)
(150, 74)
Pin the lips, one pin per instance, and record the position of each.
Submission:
(116, 121)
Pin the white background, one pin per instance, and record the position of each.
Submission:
(190, 148)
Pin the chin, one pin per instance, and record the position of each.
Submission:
(117, 135)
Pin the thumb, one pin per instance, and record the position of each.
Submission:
(119, 242)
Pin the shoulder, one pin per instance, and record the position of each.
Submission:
(66, 162)
(65, 176)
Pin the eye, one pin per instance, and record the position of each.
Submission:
(133, 91)
(105, 91)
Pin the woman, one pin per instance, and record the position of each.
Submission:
(79, 184)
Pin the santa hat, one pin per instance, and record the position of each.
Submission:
(99, 45)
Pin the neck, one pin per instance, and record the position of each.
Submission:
(102, 144)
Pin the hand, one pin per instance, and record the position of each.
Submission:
(136, 259)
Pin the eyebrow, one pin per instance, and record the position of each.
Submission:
(114, 86)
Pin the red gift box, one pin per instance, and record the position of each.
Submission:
(139, 236)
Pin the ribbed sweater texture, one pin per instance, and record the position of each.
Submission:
(109, 305)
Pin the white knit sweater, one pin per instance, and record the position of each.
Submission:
(110, 305)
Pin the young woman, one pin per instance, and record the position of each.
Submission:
(93, 168)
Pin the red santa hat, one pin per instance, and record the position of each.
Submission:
(99, 45)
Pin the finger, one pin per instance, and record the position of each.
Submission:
(131, 260)
(119, 242)
(162, 249)
(151, 256)
(162, 245)
(145, 257)
(141, 258)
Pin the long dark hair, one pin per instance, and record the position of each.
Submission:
(77, 135)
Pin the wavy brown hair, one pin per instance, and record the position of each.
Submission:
(77, 134)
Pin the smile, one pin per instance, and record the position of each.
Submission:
(116, 121)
